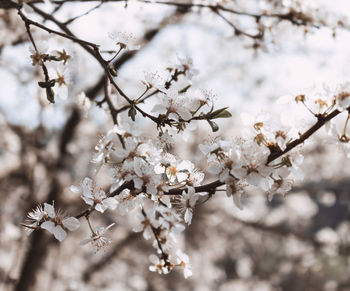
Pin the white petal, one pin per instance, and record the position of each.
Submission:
(187, 273)
(75, 189)
(100, 208)
(87, 183)
(188, 216)
(214, 168)
(88, 200)
(50, 210)
(160, 108)
(59, 233)
(193, 199)
(147, 233)
(100, 194)
(239, 173)
(71, 223)
(178, 229)
(48, 225)
(110, 203)
(184, 113)
(173, 116)
(138, 183)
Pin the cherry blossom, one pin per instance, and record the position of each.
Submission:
(173, 106)
(340, 138)
(184, 262)
(124, 40)
(282, 183)
(127, 201)
(187, 203)
(62, 81)
(145, 222)
(253, 167)
(170, 220)
(95, 198)
(35, 217)
(158, 265)
(97, 239)
(186, 64)
(39, 54)
(57, 223)
(343, 100)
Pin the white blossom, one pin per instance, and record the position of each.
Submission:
(174, 106)
(187, 203)
(184, 262)
(35, 217)
(253, 167)
(62, 77)
(186, 64)
(57, 223)
(145, 222)
(40, 54)
(282, 183)
(97, 239)
(127, 201)
(158, 265)
(340, 138)
(93, 197)
(124, 40)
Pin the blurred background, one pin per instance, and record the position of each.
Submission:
(300, 242)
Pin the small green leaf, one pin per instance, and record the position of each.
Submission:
(223, 114)
(213, 125)
(50, 95)
(132, 113)
(220, 113)
(184, 90)
(47, 84)
(42, 84)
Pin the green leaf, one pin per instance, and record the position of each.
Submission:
(132, 113)
(42, 84)
(47, 84)
(223, 114)
(50, 95)
(220, 113)
(213, 125)
(184, 90)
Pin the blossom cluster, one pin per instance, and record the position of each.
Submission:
(160, 190)
(57, 77)
(151, 173)
(53, 221)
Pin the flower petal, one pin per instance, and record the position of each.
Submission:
(110, 203)
(75, 189)
(50, 210)
(48, 225)
(59, 233)
(71, 223)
